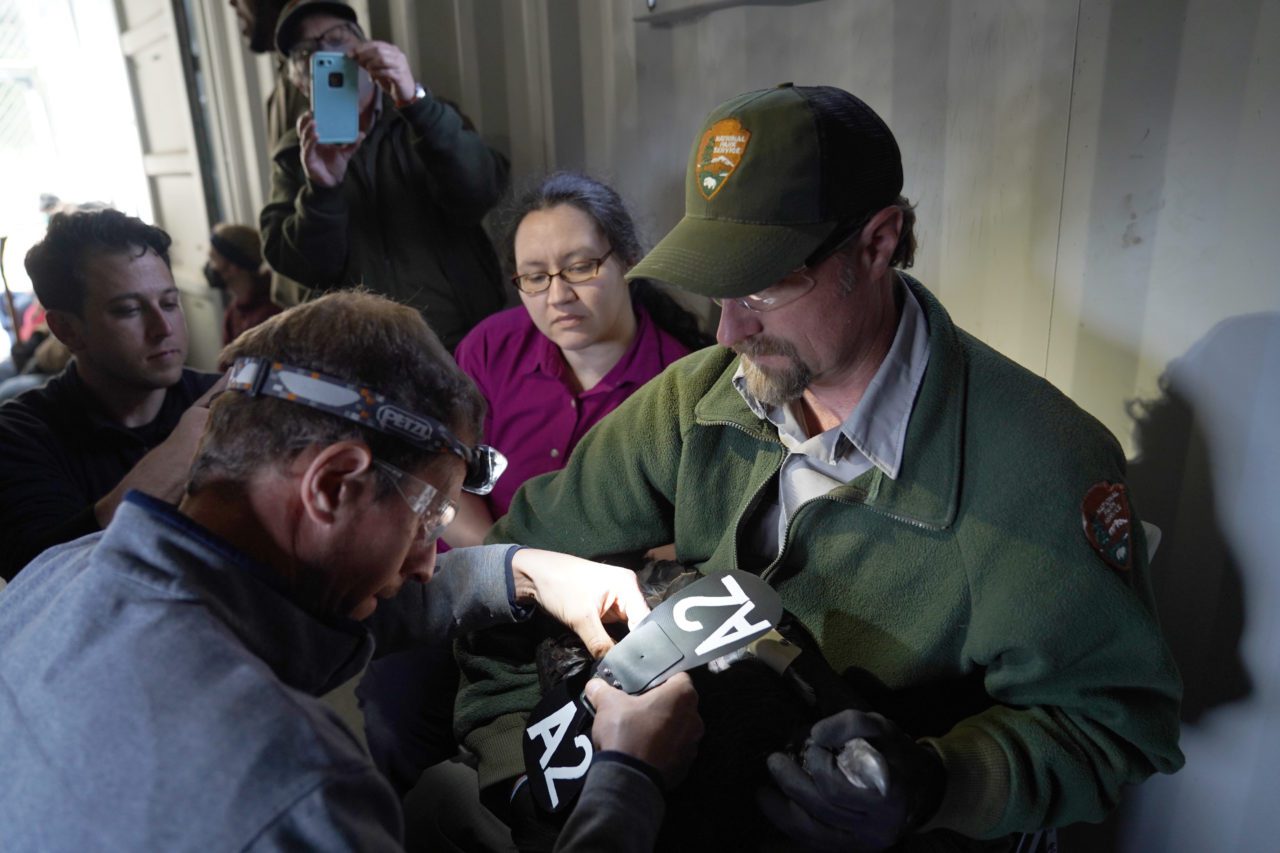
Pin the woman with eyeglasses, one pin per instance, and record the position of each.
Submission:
(583, 341)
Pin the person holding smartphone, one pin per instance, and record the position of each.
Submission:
(397, 210)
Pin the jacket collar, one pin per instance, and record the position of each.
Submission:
(74, 395)
(156, 545)
(80, 404)
(927, 489)
(876, 427)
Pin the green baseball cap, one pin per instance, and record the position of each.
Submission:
(777, 177)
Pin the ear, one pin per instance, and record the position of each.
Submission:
(66, 327)
(878, 241)
(334, 483)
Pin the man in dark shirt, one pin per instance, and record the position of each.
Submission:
(125, 413)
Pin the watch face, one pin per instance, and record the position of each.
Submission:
(419, 92)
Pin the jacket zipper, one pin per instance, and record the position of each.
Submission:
(737, 527)
(772, 568)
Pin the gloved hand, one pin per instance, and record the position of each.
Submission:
(865, 783)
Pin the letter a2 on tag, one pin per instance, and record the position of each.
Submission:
(551, 731)
(733, 629)
(557, 749)
(671, 640)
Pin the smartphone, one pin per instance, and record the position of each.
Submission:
(335, 97)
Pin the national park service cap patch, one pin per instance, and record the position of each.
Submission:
(772, 175)
(719, 153)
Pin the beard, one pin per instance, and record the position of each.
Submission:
(773, 386)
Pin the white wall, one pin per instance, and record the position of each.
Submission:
(1167, 269)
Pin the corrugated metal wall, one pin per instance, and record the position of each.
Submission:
(1098, 198)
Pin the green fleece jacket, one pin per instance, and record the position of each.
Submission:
(405, 222)
(965, 588)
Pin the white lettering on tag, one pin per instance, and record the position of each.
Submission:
(732, 629)
(583, 743)
(735, 597)
(551, 729)
(736, 627)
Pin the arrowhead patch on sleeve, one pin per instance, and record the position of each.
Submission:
(1108, 523)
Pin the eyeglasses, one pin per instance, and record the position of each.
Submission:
(433, 509)
(578, 272)
(798, 283)
(339, 37)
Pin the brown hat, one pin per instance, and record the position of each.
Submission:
(239, 244)
(295, 10)
(777, 177)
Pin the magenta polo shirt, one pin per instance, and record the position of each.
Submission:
(535, 418)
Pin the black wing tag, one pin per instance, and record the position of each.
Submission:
(716, 615)
(557, 747)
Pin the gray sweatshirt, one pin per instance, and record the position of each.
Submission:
(158, 692)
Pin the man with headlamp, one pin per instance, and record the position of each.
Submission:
(159, 682)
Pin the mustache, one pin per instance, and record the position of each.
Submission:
(763, 345)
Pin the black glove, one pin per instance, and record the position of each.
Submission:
(865, 783)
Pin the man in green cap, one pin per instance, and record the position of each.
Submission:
(954, 531)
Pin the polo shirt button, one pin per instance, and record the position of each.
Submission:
(554, 453)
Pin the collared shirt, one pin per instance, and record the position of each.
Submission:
(873, 434)
(535, 417)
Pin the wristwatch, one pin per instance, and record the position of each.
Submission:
(419, 92)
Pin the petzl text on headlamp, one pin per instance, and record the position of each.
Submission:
(364, 405)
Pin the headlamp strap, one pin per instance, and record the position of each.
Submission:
(262, 377)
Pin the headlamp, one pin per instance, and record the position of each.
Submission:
(363, 405)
